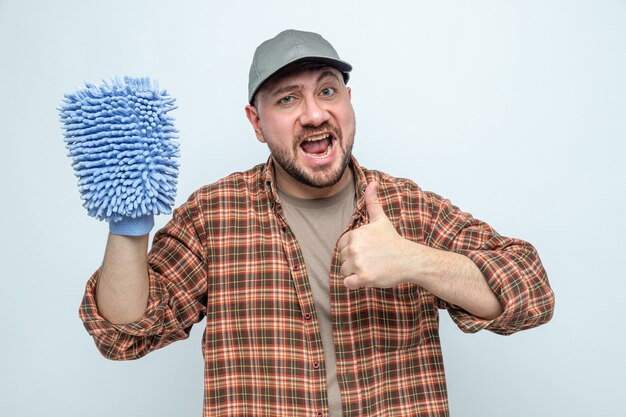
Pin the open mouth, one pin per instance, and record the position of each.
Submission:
(318, 146)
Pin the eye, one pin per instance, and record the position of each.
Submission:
(286, 100)
(327, 92)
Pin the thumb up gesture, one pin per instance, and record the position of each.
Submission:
(375, 255)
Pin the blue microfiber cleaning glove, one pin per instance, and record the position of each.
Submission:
(122, 144)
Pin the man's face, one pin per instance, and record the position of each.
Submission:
(307, 120)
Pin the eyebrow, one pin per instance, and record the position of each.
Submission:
(287, 88)
(325, 74)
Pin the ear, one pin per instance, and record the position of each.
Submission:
(349, 92)
(253, 116)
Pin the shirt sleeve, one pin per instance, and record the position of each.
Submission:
(511, 267)
(177, 292)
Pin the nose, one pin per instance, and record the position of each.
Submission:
(312, 113)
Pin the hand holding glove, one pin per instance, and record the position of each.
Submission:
(121, 141)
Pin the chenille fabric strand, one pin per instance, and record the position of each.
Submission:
(228, 254)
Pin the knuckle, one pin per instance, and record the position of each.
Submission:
(359, 265)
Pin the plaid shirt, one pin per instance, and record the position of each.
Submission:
(228, 254)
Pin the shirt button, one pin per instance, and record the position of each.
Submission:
(319, 414)
(296, 267)
(307, 316)
(316, 365)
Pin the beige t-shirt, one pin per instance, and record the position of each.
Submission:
(318, 224)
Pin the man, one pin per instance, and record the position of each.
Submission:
(320, 280)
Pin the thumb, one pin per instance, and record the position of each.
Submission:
(372, 203)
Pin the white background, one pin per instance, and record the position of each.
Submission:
(515, 110)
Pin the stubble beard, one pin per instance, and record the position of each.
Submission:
(323, 178)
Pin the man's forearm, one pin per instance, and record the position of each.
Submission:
(122, 287)
(375, 255)
(456, 279)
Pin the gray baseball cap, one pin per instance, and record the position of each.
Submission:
(288, 47)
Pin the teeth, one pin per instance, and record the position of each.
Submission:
(318, 137)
